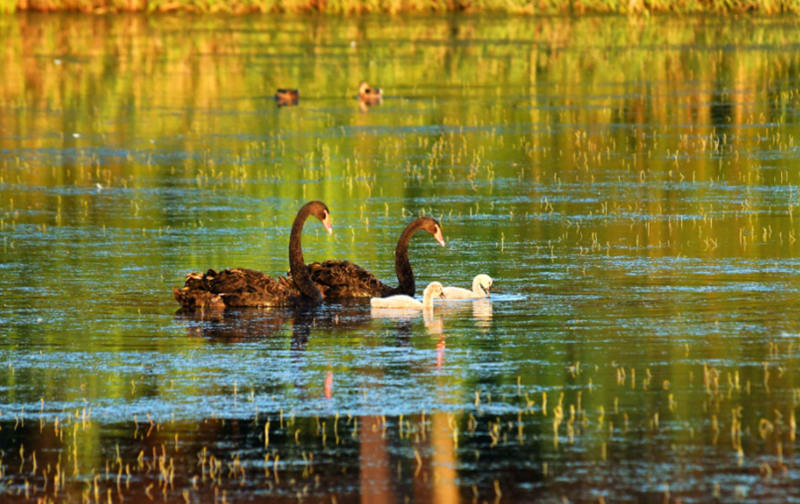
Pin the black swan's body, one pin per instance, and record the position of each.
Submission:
(238, 287)
(343, 279)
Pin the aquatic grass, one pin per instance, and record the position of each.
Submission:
(632, 189)
(599, 413)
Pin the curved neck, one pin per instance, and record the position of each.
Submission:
(427, 301)
(476, 287)
(297, 265)
(401, 265)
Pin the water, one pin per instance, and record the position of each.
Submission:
(628, 183)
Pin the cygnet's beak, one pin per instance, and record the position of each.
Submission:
(439, 237)
(327, 223)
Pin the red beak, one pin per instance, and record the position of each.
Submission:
(327, 223)
(439, 237)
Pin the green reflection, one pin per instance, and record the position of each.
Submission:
(630, 184)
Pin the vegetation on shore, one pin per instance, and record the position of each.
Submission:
(411, 6)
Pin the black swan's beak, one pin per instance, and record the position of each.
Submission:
(327, 223)
(439, 237)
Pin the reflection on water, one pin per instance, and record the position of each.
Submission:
(629, 183)
(479, 309)
(482, 313)
(243, 324)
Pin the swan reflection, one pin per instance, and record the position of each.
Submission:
(243, 324)
(234, 325)
(482, 313)
(434, 318)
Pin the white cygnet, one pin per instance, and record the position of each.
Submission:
(481, 285)
(403, 302)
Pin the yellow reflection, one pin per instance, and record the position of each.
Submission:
(434, 325)
(445, 460)
(445, 488)
(374, 479)
(482, 313)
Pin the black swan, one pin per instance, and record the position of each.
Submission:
(239, 287)
(343, 279)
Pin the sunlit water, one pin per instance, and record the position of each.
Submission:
(631, 186)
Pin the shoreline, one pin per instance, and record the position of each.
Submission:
(399, 7)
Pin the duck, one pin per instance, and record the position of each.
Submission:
(344, 280)
(242, 287)
(481, 285)
(369, 95)
(287, 97)
(404, 302)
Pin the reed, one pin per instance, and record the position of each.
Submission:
(70, 453)
(346, 7)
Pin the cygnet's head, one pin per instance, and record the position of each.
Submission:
(435, 290)
(484, 282)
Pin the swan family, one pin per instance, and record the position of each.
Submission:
(311, 284)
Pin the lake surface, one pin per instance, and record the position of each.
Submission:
(630, 184)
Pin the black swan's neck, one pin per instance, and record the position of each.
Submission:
(297, 265)
(401, 264)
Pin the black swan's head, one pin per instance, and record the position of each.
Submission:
(432, 226)
(319, 210)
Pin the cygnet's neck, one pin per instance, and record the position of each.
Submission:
(476, 287)
(427, 299)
